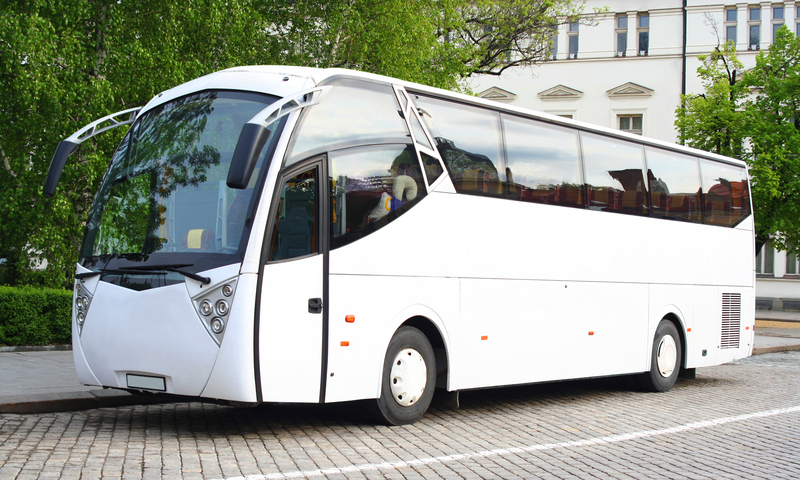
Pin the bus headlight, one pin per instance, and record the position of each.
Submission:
(213, 307)
(80, 318)
(217, 325)
(206, 308)
(222, 307)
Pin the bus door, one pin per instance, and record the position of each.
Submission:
(291, 318)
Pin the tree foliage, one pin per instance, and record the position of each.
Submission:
(64, 63)
(754, 115)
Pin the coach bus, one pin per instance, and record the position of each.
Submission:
(286, 234)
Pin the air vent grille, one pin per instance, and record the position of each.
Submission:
(731, 320)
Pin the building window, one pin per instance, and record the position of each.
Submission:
(622, 34)
(792, 266)
(765, 260)
(755, 28)
(730, 24)
(573, 40)
(777, 20)
(644, 33)
(554, 43)
(630, 123)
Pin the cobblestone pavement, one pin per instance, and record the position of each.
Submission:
(734, 421)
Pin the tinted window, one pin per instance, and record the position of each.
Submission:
(433, 169)
(674, 186)
(295, 232)
(726, 196)
(370, 187)
(470, 142)
(352, 113)
(543, 162)
(614, 179)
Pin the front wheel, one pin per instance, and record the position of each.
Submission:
(665, 362)
(409, 378)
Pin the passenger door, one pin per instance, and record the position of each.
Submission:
(292, 319)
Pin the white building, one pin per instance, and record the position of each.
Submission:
(629, 68)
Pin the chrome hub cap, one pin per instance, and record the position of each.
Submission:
(666, 356)
(408, 377)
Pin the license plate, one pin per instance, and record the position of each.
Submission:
(147, 383)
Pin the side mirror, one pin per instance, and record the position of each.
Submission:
(256, 132)
(64, 150)
(68, 145)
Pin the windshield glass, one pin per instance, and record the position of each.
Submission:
(164, 200)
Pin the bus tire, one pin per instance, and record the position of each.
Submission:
(665, 360)
(409, 378)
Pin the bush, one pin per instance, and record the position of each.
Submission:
(35, 316)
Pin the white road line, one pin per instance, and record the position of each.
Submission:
(532, 448)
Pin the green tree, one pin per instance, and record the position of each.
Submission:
(773, 122)
(714, 121)
(754, 115)
(65, 63)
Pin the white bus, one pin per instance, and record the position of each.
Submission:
(286, 234)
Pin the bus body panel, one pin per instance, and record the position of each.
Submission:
(509, 326)
(233, 376)
(290, 337)
(379, 305)
(130, 332)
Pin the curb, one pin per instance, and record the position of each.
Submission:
(778, 349)
(36, 348)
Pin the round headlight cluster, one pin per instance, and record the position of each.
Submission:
(215, 306)
(80, 317)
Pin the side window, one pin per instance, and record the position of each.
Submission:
(614, 176)
(370, 187)
(433, 169)
(674, 181)
(543, 163)
(295, 231)
(470, 142)
(353, 112)
(726, 196)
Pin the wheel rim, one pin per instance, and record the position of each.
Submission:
(667, 356)
(408, 377)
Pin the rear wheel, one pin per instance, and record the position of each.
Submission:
(665, 362)
(409, 378)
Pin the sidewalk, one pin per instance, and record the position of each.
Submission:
(45, 381)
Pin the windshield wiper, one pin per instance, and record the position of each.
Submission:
(147, 269)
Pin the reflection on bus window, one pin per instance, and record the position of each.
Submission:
(470, 142)
(166, 191)
(370, 187)
(614, 178)
(352, 112)
(295, 232)
(543, 163)
(726, 197)
(674, 181)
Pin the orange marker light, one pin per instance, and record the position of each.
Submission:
(350, 318)
(484, 337)
(688, 329)
(747, 328)
(591, 333)
(345, 344)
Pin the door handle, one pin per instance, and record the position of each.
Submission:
(314, 305)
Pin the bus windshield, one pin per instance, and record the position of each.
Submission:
(164, 198)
